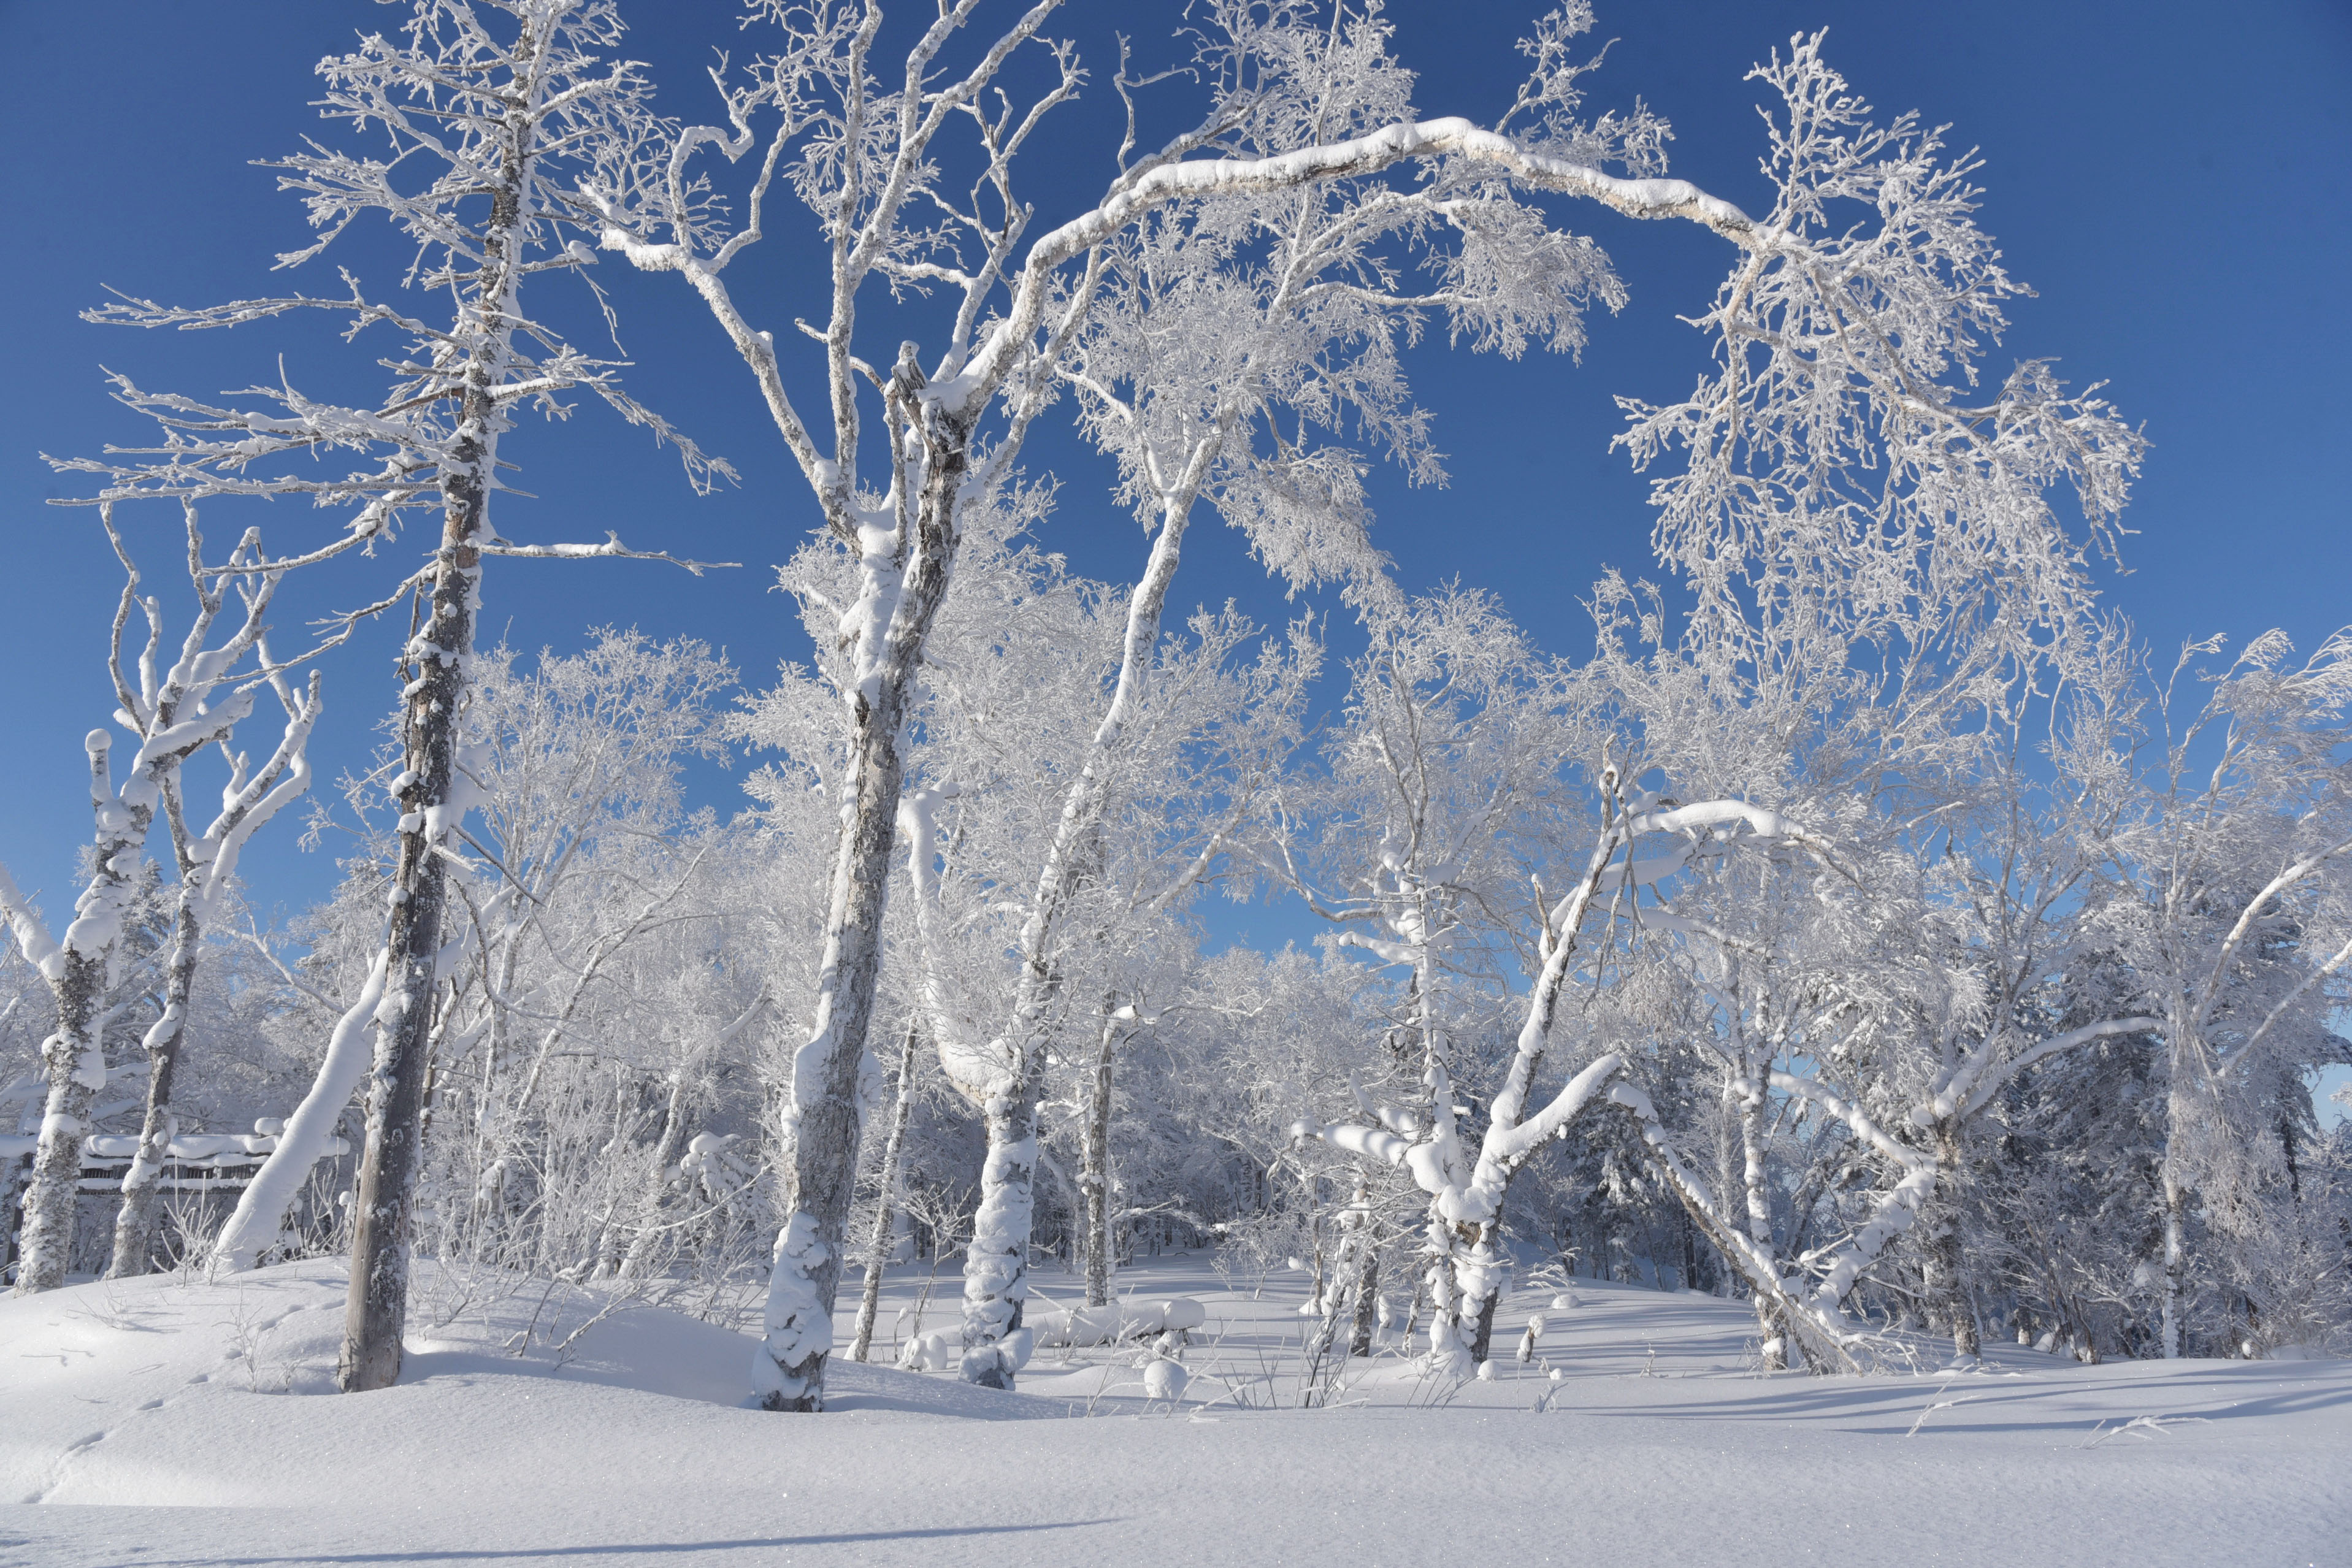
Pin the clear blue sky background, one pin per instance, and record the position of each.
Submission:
(2171, 178)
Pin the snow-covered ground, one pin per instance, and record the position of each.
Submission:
(176, 1421)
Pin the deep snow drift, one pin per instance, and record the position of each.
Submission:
(173, 1420)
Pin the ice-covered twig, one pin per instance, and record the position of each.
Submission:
(611, 548)
(1935, 1405)
(2140, 1427)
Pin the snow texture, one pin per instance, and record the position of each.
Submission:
(165, 1418)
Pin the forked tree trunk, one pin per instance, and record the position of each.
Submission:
(205, 866)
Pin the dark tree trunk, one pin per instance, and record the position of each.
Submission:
(134, 1223)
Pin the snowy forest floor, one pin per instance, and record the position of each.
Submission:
(161, 1421)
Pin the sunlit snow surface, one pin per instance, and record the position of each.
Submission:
(170, 1421)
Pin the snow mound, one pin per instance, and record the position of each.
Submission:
(122, 1391)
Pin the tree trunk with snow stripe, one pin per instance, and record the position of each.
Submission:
(134, 1222)
(430, 791)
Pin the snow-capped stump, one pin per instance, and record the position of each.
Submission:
(1165, 1379)
(1117, 1321)
(931, 1352)
(1536, 1326)
(944, 1351)
(1181, 1315)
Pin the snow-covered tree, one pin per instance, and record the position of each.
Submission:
(173, 710)
(2231, 900)
(1882, 588)
(494, 114)
(860, 150)
(600, 1009)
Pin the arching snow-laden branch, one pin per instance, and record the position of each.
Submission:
(859, 151)
(1217, 323)
(1843, 429)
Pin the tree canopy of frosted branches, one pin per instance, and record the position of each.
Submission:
(1866, 925)
(1296, 108)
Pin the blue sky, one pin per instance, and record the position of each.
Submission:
(2173, 180)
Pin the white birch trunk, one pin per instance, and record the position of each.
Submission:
(886, 1208)
(996, 1267)
(821, 1166)
(1771, 1322)
(76, 1064)
(989, 1272)
(79, 971)
(2175, 1258)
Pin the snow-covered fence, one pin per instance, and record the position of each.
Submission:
(193, 1162)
